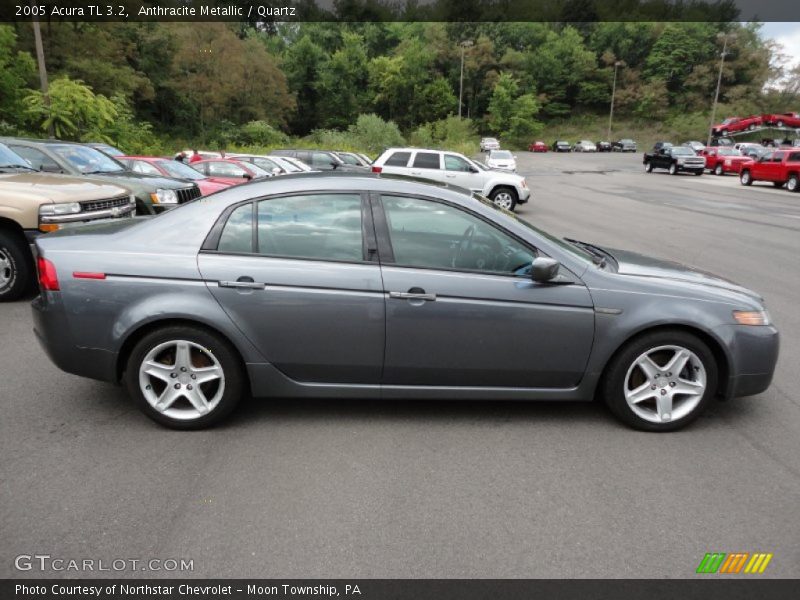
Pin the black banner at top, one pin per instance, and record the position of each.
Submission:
(255, 11)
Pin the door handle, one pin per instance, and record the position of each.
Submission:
(243, 283)
(412, 296)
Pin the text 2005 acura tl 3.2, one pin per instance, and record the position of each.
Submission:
(380, 287)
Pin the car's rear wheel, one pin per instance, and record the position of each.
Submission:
(185, 377)
(504, 197)
(718, 170)
(779, 124)
(16, 267)
(745, 178)
(673, 169)
(793, 185)
(648, 167)
(752, 126)
(661, 381)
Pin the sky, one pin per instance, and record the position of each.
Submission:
(786, 34)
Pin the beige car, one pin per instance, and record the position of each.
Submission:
(34, 203)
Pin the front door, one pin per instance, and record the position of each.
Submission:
(461, 310)
(298, 276)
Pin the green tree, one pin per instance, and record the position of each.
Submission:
(302, 64)
(343, 83)
(16, 71)
(501, 105)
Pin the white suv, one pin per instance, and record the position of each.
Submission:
(488, 144)
(506, 190)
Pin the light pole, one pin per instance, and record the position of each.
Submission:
(719, 82)
(37, 36)
(617, 64)
(464, 45)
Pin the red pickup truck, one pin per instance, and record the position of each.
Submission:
(734, 124)
(724, 159)
(790, 119)
(780, 167)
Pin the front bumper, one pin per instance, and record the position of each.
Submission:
(754, 355)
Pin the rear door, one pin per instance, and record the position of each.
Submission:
(299, 276)
(427, 165)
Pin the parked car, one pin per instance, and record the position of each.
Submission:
(351, 158)
(320, 160)
(737, 124)
(153, 194)
(603, 146)
(698, 147)
(562, 146)
(537, 146)
(675, 159)
(502, 160)
(267, 163)
(107, 148)
(724, 160)
(505, 190)
(721, 141)
(781, 167)
(279, 289)
(155, 165)
(489, 143)
(33, 203)
(659, 145)
(584, 146)
(204, 154)
(789, 119)
(750, 149)
(624, 145)
(291, 165)
(230, 171)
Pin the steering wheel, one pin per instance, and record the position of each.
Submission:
(464, 245)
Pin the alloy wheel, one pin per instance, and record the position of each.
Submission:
(504, 200)
(181, 379)
(665, 384)
(6, 269)
(791, 185)
(718, 170)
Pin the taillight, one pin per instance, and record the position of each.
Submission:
(376, 169)
(48, 278)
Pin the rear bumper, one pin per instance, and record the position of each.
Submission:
(52, 331)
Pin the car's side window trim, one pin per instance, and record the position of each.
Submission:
(386, 252)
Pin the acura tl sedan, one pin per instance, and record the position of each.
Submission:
(384, 287)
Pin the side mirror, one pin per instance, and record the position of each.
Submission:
(472, 169)
(334, 164)
(247, 176)
(51, 169)
(276, 171)
(544, 269)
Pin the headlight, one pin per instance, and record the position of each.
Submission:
(752, 317)
(680, 161)
(164, 197)
(69, 208)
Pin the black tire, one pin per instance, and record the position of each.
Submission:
(613, 385)
(698, 173)
(505, 190)
(745, 178)
(718, 170)
(793, 185)
(221, 349)
(19, 272)
(648, 167)
(751, 127)
(673, 169)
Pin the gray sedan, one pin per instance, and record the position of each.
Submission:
(381, 287)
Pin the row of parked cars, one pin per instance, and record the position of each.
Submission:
(622, 145)
(752, 162)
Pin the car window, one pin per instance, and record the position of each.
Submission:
(179, 170)
(37, 158)
(398, 159)
(86, 160)
(224, 169)
(794, 156)
(455, 163)
(316, 226)
(140, 166)
(349, 159)
(426, 160)
(237, 235)
(321, 159)
(778, 157)
(431, 235)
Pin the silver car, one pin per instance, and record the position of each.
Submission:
(373, 286)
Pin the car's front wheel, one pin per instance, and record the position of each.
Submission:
(793, 184)
(718, 170)
(504, 197)
(661, 381)
(673, 169)
(185, 377)
(17, 272)
(648, 167)
(745, 178)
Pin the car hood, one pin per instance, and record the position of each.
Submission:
(634, 264)
(143, 181)
(57, 188)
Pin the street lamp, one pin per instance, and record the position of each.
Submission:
(464, 45)
(722, 56)
(617, 64)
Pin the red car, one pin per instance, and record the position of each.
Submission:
(231, 171)
(736, 124)
(537, 147)
(780, 167)
(790, 119)
(154, 165)
(724, 159)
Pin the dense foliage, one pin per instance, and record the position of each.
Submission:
(149, 86)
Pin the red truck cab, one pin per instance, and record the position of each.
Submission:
(779, 167)
(789, 119)
(724, 159)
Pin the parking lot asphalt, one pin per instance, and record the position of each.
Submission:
(345, 488)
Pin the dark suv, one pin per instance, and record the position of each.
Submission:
(322, 160)
(153, 193)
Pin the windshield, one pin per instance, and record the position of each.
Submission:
(87, 160)
(9, 158)
(256, 170)
(729, 121)
(501, 154)
(490, 140)
(287, 164)
(349, 159)
(179, 170)
(626, 141)
(682, 151)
